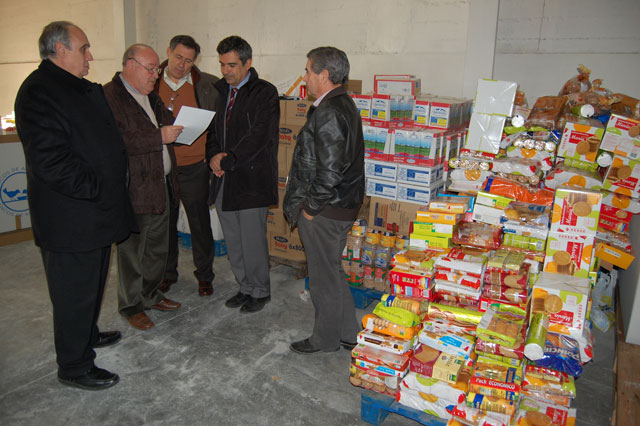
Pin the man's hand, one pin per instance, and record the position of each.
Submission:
(307, 215)
(170, 133)
(214, 163)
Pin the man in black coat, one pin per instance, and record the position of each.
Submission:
(243, 156)
(77, 190)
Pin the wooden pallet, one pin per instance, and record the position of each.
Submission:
(299, 268)
(375, 407)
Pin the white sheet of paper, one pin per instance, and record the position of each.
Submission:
(195, 122)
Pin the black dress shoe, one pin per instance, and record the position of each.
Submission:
(347, 345)
(305, 347)
(94, 379)
(107, 338)
(254, 305)
(237, 300)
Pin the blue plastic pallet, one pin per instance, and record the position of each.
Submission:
(219, 246)
(375, 407)
(362, 297)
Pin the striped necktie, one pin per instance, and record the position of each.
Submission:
(232, 99)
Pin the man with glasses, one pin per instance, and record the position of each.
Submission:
(182, 84)
(145, 124)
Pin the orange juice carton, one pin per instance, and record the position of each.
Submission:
(581, 139)
(576, 210)
(564, 299)
(569, 254)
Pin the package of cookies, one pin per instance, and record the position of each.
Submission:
(433, 363)
(569, 253)
(493, 200)
(507, 262)
(459, 278)
(465, 328)
(622, 136)
(518, 280)
(576, 210)
(466, 180)
(457, 344)
(563, 174)
(380, 360)
(517, 191)
(500, 325)
(564, 299)
(526, 214)
(621, 202)
(452, 292)
(623, 176)
(547, 397)
(375, 323)
(414, 278)
(397, 315)
(491, 403)
(477, 417)
(581, 139)
(508, 294)
(544, 158)
(456, 316)
(515, 351)
(523, 242)
(532, 412)
(414, 260)
(462, 260)
(477, 234)
(373, 380)
(450, 204)
(548, 380)
(426, 403)
(498, 359)
(561, 353)
(504, 389)
(386, 343)
(454, 392)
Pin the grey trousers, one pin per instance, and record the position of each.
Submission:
(335, 315)
(141, 262)
(245, 235)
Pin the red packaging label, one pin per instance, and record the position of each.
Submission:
(625, 125)
(575, 250)
(568, 218)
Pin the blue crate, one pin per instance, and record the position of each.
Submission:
(219, 246)
(375, 407)
(362, 297)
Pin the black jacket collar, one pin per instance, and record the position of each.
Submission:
(65, 77)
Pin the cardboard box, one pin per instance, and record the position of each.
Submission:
(287, 245)
(381, 188)
(433, 229)
(581, 139)
(285, 155)
(622, 136)
(614, 255)
(564, 299)
(623, 176)
(288, 134)
(569, 254)
(396, 84)
(378, 142)
(296, 112)
(486, 214)
(410, 291)
(383, 170)
(387, 215)
(432, 217)
(354, 86)
(442, 367)
(493, 200)
(495, 97)
(276, 222)
(386, 343)
(425, 242)
(576, 211)
(418, 194)
(391, 111)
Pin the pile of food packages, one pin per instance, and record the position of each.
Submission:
(488, 302)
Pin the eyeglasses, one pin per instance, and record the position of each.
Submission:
(150, 70)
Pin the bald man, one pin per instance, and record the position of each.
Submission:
(148, 133)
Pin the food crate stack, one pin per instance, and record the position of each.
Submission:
(409, 138)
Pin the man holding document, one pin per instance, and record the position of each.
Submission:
(181, 83)
(148, 133)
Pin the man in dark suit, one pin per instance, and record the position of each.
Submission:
(77, 190)
(243, 156)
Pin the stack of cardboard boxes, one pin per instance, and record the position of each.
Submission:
(284, 243)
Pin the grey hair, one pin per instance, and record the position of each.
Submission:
(57, 31)
(131, 52)
(331, 59)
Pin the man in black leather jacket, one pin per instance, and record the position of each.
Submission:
(324, 193)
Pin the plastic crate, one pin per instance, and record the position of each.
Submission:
(375, 407)
(362, 297)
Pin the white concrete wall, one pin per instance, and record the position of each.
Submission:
(540, 43)
(21, 23)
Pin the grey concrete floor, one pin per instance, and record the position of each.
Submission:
(202, 365)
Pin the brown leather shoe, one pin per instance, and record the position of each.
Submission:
(166, 305)
(140, 321)
(166, 284)
(205, 288)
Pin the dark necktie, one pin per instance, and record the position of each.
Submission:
(232, 99)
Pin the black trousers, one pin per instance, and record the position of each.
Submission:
(76, 285)
(193, 181)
